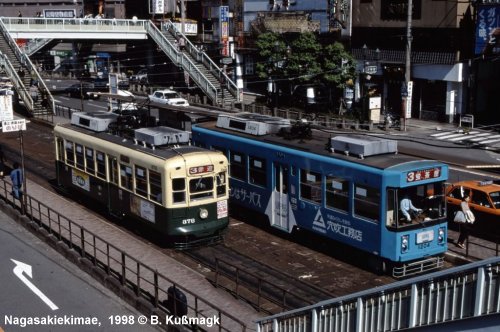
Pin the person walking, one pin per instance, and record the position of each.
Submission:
(465, 218)
(16, 176)
(20, 15)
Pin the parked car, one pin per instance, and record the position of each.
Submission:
(79, 90)
(140, 77)
(168, 97)
(484, 200)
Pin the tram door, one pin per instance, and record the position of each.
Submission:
(280, 196)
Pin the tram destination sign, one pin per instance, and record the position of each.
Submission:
(425, 174)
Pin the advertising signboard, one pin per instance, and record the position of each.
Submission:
(224, 29)
(59, 13)
(6, 111)
(156, 6)
(488, 19)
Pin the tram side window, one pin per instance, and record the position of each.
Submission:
(126, 176)
(101, 164)
(310, 186)
(70, 155)
(221, 184)
(155, 186)
(238, 166)
(337, 193)
(113, 169)
(179, 190)
(392, 208)
(257, 171)
(366, 202)
(89, 161)
(80, 163)
(141, 181)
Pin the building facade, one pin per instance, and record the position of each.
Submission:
(441, 41)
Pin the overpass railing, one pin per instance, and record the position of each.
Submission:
(469, 291)
(119, 268)
(202, 57)
(41, 24)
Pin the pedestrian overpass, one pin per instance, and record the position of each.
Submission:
(209, 77)
(460, 298)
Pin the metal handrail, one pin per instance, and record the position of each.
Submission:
(146, 282)
(73, 24)
(14, 77)
(25, 60)
(206, 60)
(181, 59)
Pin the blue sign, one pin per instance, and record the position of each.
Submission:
(224, 13)
(488, 19)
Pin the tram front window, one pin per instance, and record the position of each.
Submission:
(201, 188)
(413, 205)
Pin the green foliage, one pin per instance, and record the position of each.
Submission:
(302, 59)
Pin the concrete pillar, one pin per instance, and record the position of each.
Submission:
(451, 101)
(239, 70)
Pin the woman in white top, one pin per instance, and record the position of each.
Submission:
(469, 219)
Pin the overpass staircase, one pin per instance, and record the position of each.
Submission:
(36, 98)
(209, 77)
(203, 71)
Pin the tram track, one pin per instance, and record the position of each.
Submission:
(274, 290)
(305, 273)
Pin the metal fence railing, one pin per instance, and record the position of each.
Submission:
(145, 282)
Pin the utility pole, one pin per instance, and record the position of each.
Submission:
(183, 16)
(407, 95)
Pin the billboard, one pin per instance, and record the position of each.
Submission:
(224, 29)
(488, 19)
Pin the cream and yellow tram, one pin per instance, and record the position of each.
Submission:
(180, 191)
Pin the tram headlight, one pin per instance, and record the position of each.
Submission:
(441, 235)
(405, 243)
(203, 213)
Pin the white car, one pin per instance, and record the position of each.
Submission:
(168, 97)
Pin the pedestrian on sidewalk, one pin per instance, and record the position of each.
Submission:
(20, 15)
(16, 176)
(465, 218)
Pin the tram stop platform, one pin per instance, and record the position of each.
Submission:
(142, 251)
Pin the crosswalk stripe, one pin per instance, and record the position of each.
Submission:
(477, 138)
(451, 136)
(491, 139)
(440, 134)
(468, 137)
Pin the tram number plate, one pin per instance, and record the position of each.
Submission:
(425, 237)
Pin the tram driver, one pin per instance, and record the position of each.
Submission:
(408, 209)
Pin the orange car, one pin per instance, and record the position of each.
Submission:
(484, 198)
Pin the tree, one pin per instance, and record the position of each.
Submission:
(338, 66)
(268, 43)
(303, 62)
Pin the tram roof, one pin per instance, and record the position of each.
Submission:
(159, 151)
(318, 143)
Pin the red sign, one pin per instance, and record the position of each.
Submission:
(201, 169)
(425, 174)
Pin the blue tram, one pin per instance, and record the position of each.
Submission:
(346, 188)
